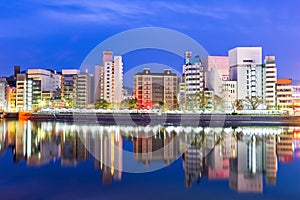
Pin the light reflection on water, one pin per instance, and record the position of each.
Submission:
(243, 156)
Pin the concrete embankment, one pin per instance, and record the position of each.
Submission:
(168, 119)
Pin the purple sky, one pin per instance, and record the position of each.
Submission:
(60, 34)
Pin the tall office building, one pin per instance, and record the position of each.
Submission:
(3, 94)
(28, 93)
(284, 93)
(69, 86)
(193, 76)
(245, 67)
(155, 89)
(109, 78)
(84, 90)
(271, 78)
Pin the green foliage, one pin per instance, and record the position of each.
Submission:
(101, 104)
(129, 103)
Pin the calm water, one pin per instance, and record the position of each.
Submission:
(46, 160)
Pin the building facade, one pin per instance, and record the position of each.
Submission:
(193, 76)
(69, 87)
(3, 94)
(109, 78)
(271, 78)
(153, 90)
(229, 94)
(284, 93)
(215, 68)
(245, 67)
(84, 90)
(28, 93)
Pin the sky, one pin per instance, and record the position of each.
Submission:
(60, 34)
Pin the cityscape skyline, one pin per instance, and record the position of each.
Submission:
(159, 99)
(63, 43)
(243, 80)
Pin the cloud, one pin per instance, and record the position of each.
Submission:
(52, 17)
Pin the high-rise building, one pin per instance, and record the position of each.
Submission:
(284, 93)
(23, 100)
(271, 78)
(3, 94)
(28, 93)
(245, 67)
(109, 78)
(84, 90)
(69, 86)
(193, 76)
(153, 90)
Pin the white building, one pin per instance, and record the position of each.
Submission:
(215, 67)
(23, 93)
(271, 78)
(193, 76)
(109, 78)
(49, 80)
(56, 80)
(3, 97)
(246, 68)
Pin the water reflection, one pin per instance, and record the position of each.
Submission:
(241, 155)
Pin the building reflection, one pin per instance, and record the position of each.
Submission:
(243, 156)
(156, 146)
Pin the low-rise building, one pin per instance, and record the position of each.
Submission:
(284, 93)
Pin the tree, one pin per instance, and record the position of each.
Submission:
(202, 99)
(161, 105)
(129, 103)
(254, 101)
(218, 103)
(238, 104)
(101, 104)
